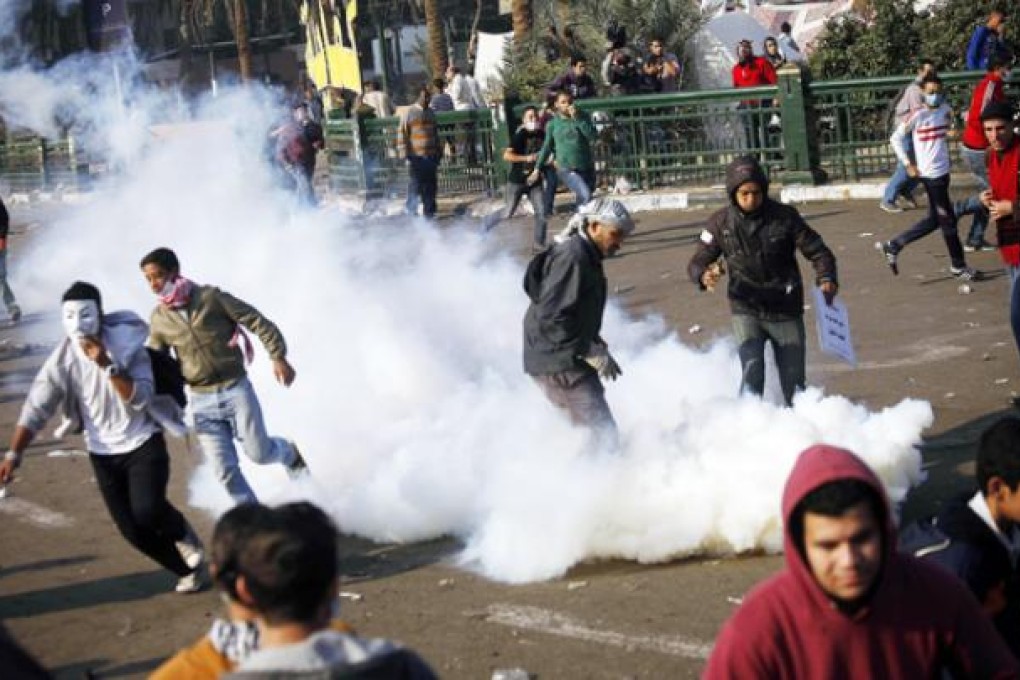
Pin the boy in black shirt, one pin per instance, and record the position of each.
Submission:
(521, 153)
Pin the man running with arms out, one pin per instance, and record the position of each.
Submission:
(203, 325)
(100, 380)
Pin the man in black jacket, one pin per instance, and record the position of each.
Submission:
(563, 350)
(12, 306)
(758, 238)
(976, 537)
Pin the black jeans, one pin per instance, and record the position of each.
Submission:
(134, 489)
(514, 193)
(940, 216)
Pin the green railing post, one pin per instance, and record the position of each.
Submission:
(800, 144)
(502, 118)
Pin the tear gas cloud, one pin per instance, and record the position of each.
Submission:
(410, 404)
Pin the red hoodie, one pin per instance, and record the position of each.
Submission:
(920, 620)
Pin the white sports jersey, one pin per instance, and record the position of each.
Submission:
(928, 128)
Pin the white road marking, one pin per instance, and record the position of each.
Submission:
(34, 514)
(554, 623)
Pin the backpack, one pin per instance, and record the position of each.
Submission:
(166, 376)
(534, 274)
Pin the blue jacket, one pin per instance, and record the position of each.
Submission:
(983, 44)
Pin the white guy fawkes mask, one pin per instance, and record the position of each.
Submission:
(80, 318)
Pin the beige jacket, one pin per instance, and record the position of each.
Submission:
(201, 336)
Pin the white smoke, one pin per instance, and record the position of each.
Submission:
(410, 404)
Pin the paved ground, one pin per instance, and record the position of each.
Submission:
(80, 599)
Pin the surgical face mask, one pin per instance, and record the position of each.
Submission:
(80, 318)
(530, 126)
(168, 287)
(934, 100)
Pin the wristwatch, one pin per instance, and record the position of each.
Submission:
(111, 370)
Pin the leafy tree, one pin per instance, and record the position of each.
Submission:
(887, 37)
(674, 21)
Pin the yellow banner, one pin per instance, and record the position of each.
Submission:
(331, 55)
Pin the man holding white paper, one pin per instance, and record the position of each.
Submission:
(759, 238)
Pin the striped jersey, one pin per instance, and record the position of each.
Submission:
(928, 128)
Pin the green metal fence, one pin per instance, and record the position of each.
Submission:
(803, 131)
(35, 164)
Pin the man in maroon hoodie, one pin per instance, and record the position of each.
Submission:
(847, 605)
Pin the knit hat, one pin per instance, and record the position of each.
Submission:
(997, 111)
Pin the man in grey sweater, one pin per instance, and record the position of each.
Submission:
(99, 378)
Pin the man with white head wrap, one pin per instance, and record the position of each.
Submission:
(563, 350)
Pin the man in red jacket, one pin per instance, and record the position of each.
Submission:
(847, 605)
(753, 71)
(1001, 199)
(973, 148)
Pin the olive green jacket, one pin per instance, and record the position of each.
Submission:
(202, 336)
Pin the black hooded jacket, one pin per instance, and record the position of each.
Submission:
(760, 250)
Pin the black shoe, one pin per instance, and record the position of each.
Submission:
(15, 312)
(890, 253)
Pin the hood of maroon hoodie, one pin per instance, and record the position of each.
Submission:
(818, 465)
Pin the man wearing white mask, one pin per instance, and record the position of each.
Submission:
(100, 379)
(521, 154)
(203, 325)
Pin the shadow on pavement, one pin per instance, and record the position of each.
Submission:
(126, 588)
(40, 565)
(363, 560)
(949, 461)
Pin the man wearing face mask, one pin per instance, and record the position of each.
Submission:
(563, 349)
(929, 128)
(759, 238)
(522, 154)
(100, 379)
(203, 325)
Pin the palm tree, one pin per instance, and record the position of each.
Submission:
(520, 13)
(437, 39)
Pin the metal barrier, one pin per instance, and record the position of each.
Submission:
(804, 132)
(854, 121)
(471, 147)
(34, 164)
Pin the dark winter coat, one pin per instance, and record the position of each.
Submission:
(973, 552)
(568, 296)
(760, 251)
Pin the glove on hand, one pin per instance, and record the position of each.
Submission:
(603, 362)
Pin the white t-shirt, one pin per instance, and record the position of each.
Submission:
(928, 128)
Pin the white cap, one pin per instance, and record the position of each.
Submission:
(610, 212)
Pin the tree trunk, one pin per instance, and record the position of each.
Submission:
(563, 13)
(242, 38)
(437, 40)
(520, 14)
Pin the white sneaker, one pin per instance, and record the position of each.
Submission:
(190, 547)
(191, 583)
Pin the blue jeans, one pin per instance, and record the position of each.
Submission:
(787, 338)
(514, 194)
(1014, 302)
(225, 414)
(5, 289)
(975, 162)
(580, 182)
(901, 184)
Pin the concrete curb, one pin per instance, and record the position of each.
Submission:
(638, 201)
